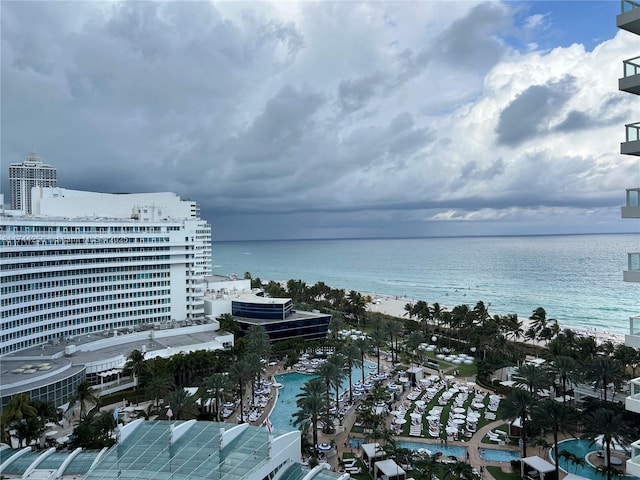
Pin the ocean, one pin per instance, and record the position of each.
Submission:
(577, 279)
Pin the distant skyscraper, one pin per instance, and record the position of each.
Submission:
(26, 175)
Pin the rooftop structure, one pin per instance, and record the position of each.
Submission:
(165, 450)
(629, 20)
(24, 176)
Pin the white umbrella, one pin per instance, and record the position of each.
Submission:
(324, 447)
(458, 421)
(416, 415)
(458, 410)
(51, 433)
(400, 421)
(63, 440)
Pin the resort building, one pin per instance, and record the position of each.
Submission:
(89, 266)
(629, 20)
(31, 172)
(165, 450)
(279, 318)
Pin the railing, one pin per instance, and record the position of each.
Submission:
(632, 132)
(631, 67)
(634, 261)
(628, 5)
(633, 197)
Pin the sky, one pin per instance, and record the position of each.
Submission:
(330, 119)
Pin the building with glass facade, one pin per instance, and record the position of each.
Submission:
(279, 318)
(163, 450)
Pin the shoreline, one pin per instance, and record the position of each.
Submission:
(394, 306)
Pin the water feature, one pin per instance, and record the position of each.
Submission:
(496, 455)
(581, 447)
(282, 415)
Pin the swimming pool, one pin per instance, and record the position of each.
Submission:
(292, 383)
(581, 447)
(495, 455)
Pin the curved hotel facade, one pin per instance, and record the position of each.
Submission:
(86, 268)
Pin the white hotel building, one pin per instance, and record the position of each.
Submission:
(87, 263)
(89, 277)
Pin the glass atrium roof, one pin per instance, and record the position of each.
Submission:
(21, 463)
(147, 454)
(53, 461)
(81, 463)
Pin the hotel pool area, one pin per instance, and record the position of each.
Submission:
(283, 412)
(495, 455)
(581, 447)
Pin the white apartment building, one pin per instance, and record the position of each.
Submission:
(31, 172)
(629, 20)
(87, 263)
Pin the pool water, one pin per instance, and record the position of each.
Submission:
(581, 447)
(447, 450)
(282, 415)
(495, 455)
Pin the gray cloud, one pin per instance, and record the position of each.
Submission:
(327, 119)
(530, 113)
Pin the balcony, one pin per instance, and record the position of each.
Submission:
(632, 207)
(632, 339)
(632, 273)
(629, 18)
(633, 464)
(630, 81)
(631, 146)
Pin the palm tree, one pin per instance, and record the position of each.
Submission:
(363, 343)
(351, 355)
(518, 405)
(611, 427)
(159, 384)
(378, 339)
(135, 364)
(538, 319)
(604, 370)
(393, 328)
(571, 458)
(532, 376)
(257, 341)
(566, 370)
(213, 387)
(542, 444)
(240, 372)
(18, 408)
(311, 403)
(83, 395)
(183, 404)
(557, 417)
(413, 342)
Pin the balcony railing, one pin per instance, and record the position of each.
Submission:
(628, 5)
(633, 197)
(634, 261)
(632, 132)
(631, 67)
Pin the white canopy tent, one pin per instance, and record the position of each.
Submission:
(389, 470)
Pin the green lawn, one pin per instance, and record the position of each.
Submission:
(498, 474)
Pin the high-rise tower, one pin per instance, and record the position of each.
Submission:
(629, 20)
(26, 175)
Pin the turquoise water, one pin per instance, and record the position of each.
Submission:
(495, 455)
(509, 274)
(292, 383)
(447, 450)
(581, 447)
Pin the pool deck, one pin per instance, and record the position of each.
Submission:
(473, 445)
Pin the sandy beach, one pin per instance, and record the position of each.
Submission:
(394, 306)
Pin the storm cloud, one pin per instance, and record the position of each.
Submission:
(323, 119)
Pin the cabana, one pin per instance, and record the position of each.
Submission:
(415, 374)
(536, 468)
(371, 452)
(389, 470)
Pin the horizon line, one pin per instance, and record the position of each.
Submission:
(423, 237)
